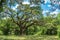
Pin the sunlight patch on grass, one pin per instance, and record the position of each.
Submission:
(43, 37)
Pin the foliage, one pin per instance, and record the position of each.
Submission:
(27, 19)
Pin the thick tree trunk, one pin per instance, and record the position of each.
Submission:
(22, 31)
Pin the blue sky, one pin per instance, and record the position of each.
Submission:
(46, 7)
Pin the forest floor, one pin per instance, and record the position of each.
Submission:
(30, 37)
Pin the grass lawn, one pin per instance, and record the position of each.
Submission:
(44, 37)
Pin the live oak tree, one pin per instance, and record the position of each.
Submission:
(25, 15)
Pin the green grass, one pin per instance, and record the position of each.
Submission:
(44, 37)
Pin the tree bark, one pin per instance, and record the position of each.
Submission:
(22, 31)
